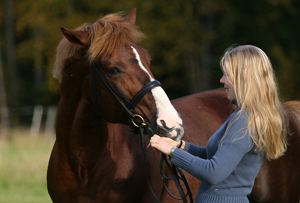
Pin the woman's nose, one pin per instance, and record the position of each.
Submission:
(222, 79)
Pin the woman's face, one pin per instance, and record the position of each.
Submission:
(228, 86)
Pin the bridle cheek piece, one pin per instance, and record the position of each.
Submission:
(131, 104)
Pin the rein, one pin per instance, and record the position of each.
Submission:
(174, 170)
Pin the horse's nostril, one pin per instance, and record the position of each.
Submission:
(163, 123)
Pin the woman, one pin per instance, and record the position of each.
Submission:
(229, 163)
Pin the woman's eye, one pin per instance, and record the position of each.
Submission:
(113, 71)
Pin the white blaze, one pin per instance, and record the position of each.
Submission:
(140, 63)
(165, 110)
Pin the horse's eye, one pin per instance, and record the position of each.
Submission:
(113, 71)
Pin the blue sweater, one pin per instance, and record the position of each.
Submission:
(227, 166)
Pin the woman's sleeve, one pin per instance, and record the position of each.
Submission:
(195, 150)
(215, 170)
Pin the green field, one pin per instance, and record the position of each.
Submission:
(23, 168)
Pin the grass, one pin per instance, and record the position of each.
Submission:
(23, 168)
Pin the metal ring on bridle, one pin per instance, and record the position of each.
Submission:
(140, 117)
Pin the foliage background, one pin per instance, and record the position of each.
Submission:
(186, 39)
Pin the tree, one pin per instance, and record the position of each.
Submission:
(4, 113)
(11, 59)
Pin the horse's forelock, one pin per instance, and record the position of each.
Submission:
(107, 34)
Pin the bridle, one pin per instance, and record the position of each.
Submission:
(142, 127)
(131, 104)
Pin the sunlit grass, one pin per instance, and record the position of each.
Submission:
(23, 168)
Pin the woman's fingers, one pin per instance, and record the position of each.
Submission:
(161, 144)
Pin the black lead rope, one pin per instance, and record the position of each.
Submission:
(141, 130)
(174, 171)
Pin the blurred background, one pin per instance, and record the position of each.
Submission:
(186, 39)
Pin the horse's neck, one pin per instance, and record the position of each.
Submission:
(77, 123)
(80, 128)
(77, 120)
(94, 144)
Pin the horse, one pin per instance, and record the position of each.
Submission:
(95, 158)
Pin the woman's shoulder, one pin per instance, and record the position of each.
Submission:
(239, 116)
(237, 125)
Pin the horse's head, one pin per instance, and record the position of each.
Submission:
(109, 46)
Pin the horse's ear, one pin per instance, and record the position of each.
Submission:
(131, 17)
(77, 37)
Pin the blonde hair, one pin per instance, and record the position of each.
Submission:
(250, 71)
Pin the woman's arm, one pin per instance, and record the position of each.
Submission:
(228, 155)
(195, 150)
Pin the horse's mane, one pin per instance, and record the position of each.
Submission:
(107, 34)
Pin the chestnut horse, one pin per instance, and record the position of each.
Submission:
(96, 159)
(93, 159)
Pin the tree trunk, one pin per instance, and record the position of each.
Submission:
(200, 60)
(11, 53)
(38, 59)
(4, 113)
(194, 74)
(206, 59)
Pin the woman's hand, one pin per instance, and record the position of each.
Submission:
(163, 144)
